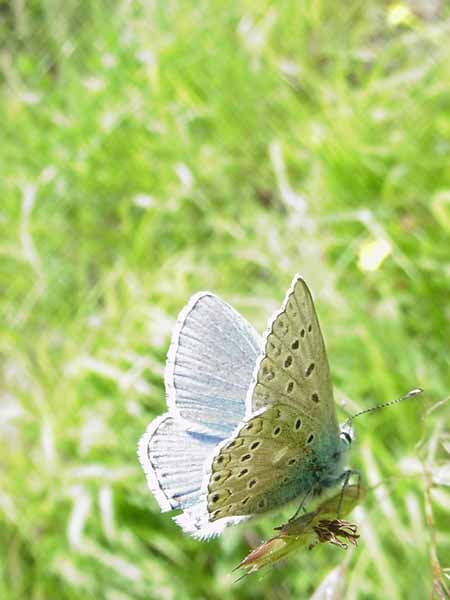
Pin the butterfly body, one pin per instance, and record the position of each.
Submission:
(252, 423)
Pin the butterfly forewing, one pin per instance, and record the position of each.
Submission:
(293, 368)
(210, 364)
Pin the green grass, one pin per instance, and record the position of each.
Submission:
(155, 149)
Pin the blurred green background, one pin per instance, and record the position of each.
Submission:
(149, 150)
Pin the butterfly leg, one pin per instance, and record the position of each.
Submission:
(345, 477)
(301, 506)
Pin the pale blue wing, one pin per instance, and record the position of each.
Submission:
(210, 364)
(209, 370)
(173, 460)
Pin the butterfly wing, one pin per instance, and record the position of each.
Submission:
(286, 446)
(210, 364)
(268, 463)
(173, 460)
(293, 367)
(208, 372)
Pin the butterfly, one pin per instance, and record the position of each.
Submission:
(251, 422)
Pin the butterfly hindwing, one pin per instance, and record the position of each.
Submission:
(259, 468)
(172, 459)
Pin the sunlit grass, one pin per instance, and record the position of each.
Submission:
(148, 153)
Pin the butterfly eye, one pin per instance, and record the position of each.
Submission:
(346, 437)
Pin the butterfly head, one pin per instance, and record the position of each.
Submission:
(347, 434)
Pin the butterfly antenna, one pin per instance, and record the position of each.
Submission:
(410, 394)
